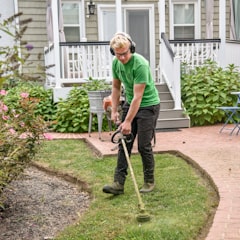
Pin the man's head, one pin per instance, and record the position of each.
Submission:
(122, 46)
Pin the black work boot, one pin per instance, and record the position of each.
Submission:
(116, 188)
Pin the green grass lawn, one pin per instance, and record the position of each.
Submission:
(179, 206)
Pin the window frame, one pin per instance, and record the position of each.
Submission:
(197, 16)
(81, 13)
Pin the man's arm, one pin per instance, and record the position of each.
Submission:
(134, 107)
(116, 92)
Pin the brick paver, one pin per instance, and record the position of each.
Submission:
(216, 153)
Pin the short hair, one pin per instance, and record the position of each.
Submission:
(120, 40)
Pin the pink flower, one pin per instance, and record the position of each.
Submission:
(12, 131)
(4, 117)
(23, 136)
(24, 95)
(22, 124)
(48, 136)
(3, 107)
(3, 92)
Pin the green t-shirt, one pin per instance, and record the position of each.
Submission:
(136, 71)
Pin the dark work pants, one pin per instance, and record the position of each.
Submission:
(143, 126)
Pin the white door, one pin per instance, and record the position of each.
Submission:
(138, 22)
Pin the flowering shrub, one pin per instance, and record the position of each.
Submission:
(21, 129)
(20, 135)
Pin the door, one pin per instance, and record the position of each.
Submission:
(138, 22)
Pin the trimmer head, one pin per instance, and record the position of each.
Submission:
(143, 216)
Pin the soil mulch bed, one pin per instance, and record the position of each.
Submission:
(39, 205)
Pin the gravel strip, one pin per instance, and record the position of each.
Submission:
(39, 205)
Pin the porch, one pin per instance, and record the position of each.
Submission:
(72, 63)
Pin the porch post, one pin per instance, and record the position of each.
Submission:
(56, 42)
(162, 29)
(222, 32)
(162, 20)
(119, 15)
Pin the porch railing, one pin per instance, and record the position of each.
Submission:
(170, 70)
(195, 52)
(83, 60)
(78, 61)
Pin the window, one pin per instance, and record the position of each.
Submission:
(184, 19)
(72, 20)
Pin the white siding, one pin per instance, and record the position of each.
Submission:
(36, 33)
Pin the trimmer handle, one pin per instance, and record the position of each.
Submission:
(118, 136)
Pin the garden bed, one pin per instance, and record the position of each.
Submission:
(39, 205)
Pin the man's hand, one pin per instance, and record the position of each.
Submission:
(125, 127)
(115, 117)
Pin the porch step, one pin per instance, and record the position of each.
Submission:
(171, 113)
(170, 118)
(173, 123)
(167, 104)
(165, 96)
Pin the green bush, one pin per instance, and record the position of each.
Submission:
(73, 113)
(207, 87)
(45, 107)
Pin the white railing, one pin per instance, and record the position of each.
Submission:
(77, 62)
(170, 71)
(81, 61)
(196, 52)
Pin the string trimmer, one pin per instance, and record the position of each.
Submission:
(118, 137)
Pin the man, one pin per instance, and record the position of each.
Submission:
(140, 111)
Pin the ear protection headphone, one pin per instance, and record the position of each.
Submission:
(132, 43)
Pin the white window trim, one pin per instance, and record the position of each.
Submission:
(197, 15)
